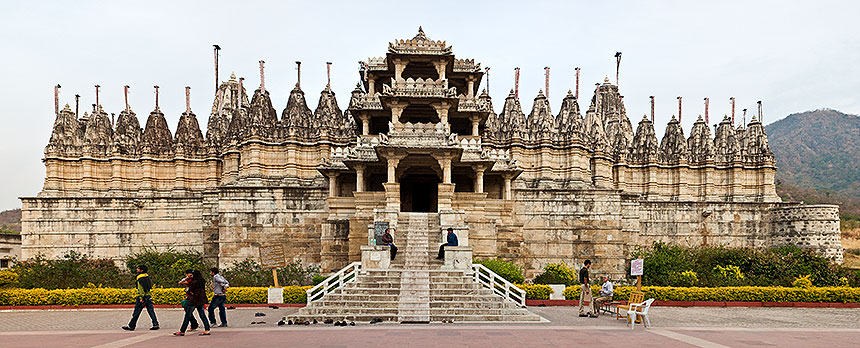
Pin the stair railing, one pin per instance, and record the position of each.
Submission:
(337, 280)
(500, 286)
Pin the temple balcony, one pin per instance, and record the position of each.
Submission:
(419, 88)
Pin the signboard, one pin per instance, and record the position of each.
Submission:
(636, 267)
(379, 228)
(272, 256)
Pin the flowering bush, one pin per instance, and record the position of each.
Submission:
(557, 273)
(108, 296)
(737, 293)
(536, 291)
(802, 282)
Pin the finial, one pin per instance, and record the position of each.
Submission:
(546, 80)
(679, 109)
(760, 115)
(232, 76)
(188, 99)
(706, 111)
(517, 82)
(77, 104)
(732, 99)
(328, 75)
(577, 84)
(299, 74)
(125, 96)
(617, 66)
(57, 99)
(262, 77)
(744, 119)
(652, 108)
(420, 30)
(606, 79)
(216, 48)
(487, 72)
(97, 94)
(156, 97)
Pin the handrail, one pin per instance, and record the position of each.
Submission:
(500, 286)
(344, 276)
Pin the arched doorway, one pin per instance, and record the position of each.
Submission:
(419, 184)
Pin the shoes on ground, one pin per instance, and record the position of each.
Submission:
(126, 328)
(154, 328)
(583, 315)
(178, 333)
(592, 315)
(222, 325)
(204, 333)
(212, 323)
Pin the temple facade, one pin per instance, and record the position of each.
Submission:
(418, 136)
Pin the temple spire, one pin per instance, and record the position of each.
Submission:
(188, 99)
(215, 49)
(77, 104)
(328, 75)
(299, 74)
(97, 95)
(125, 96)
(546, 81)
(577, 84)
(679, 109)
(487, 73)
(517, 83)
(57, 99)
(156, 97)
(760, 115)
(652, 108)
(706, 111)
(617, 66)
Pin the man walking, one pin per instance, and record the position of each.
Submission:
(604, 295)
(585, 291)
(144, 299)
(387, 239)
(452, 241)
(219, 297)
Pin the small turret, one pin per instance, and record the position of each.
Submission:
(228, 99)
(297, 117)
(328, 116)
(569, 121)
(126, 136)
(98, 134)
(726, 142)
(262, 117)
(754, 146)
(700, 144)
(67, 138)
(673, 147)
(644, 147)
(156, 140)
(541, 122)
(512, 119)
(189, 140)
(492, 125)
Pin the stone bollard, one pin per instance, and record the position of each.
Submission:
(458, 258)
(375, 257)
(276, 295)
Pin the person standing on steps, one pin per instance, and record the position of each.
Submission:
(143, 300)
(452, 241)
(387, 239)
(585, 291)
(219, 297)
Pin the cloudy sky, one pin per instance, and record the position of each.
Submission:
(793, 57)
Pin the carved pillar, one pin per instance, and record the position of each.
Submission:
(392, 168)
(479, 178)
(399, 65)
(476, 121)
(365, 123)
(371, 86)
(442, 112)
(359, 177)
(471, 92)
(507, 194)
(332, 184)
(397, 108)
(440, 68)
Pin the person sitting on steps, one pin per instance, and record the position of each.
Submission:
(452, 241)
(387, 239)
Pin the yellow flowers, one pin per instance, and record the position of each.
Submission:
(8, 277)
(536, 291)
(735, 293)
(802, 282)
(106, 296)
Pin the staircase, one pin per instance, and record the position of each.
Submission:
(415, 289)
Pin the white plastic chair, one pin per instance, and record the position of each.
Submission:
(639, 309)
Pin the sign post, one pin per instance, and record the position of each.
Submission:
(636, 268)
(272, 256)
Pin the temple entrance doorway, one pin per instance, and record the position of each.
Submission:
(419, 193)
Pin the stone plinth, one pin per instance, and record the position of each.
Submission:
(376, 257)
(458, 258)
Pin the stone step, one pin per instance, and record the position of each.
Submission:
(348, 311)
(529, 317)
(364, 318)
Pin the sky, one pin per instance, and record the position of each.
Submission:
(793, 56)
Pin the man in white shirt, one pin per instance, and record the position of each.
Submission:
(604, 295)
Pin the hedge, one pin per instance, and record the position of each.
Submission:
(536, 291)
(736, 293)
(109, 296)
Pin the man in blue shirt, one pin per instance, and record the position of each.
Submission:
(452, 241)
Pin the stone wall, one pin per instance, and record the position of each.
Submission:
(808, 226)
(112, 227)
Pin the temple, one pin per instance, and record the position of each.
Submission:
(419, 147)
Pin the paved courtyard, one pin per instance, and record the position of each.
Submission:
(673, 327)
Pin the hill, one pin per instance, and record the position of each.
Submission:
(10, 220)
(818, 149)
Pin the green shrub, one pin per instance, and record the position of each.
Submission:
(74, 270)
(740, 266)
(318, 279)
(248, 272)
(685, 278)
(505, 269)
(557, 273)
(167, 267)
(107, 296)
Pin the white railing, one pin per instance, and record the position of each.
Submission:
(337, 280)
(499, 285)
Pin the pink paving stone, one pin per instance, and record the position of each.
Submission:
(38, 340)
(778, 338)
